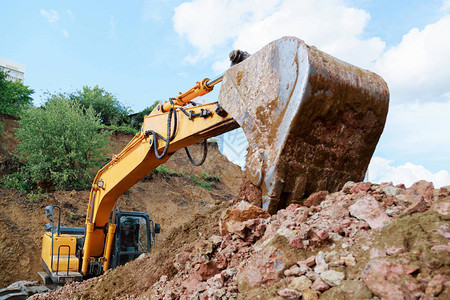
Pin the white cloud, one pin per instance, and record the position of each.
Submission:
(418, 69)
(381, 170)
(65, 33)
(210, 25)
(51, 16)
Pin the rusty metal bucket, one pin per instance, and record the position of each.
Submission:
(311, 120)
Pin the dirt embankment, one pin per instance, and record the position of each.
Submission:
(169, 199)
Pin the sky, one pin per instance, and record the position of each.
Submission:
(146, 51)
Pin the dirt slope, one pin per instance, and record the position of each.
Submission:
(170, 200)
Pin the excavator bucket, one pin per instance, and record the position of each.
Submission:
(312, 121)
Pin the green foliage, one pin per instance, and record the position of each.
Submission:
(20, 181)
(110, 110)
(61, 142)
(211, 177)
(139, 118)
(166, 173)
(201, 182)
(37, 197)
(14, 96)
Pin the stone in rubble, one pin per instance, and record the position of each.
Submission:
(300, 283)
(369, 210)
(422, 188)
(233, 219)
(320, 285)
(388, 280)
(268, 264)
(315, 198)
(289, 294)
(332, 277)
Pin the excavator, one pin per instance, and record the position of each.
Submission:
(311, 120)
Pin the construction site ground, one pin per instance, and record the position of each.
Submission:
(215, 246)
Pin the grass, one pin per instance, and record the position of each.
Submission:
(206, 181)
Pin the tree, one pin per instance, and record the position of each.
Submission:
(14, 96)
(61, 142)
(110, 110)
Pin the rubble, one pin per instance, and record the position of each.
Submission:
(345, 247)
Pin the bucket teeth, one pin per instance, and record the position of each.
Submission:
(311, 120)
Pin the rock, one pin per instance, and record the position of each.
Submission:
(234, 219)
(300, 283)
(215, 239)
(321, 264)
(181, 260)
(442, 206)
(320, 285)
(309, 295)
(206, 271)
(268, 264)
(418, 205)
(332, 277)
(289, 293)
(309, 262)
(348, 186)
(336, 211)
(216, 281)
(391, 191)
(296, 271)
(361, 187)
(422, 188)
(441, 248)
(369, 210)
(388, 280)
(435, 286)
(349, 260)
(315, 198)
(191, 284)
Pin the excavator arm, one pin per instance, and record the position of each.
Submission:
(162, 134)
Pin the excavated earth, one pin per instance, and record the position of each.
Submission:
(365, 241)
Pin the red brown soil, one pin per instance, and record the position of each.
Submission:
(173, 201)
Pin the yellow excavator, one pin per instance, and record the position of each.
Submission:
(312, 122)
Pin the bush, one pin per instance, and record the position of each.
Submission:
(61, 143)
(19, 181)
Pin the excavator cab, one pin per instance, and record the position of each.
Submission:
(135, 235)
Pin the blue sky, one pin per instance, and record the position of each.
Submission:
(142, 51)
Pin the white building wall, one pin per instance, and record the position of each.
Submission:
(15, 71)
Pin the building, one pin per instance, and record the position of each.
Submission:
(15, 71)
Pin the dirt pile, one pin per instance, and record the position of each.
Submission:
(365, 241)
